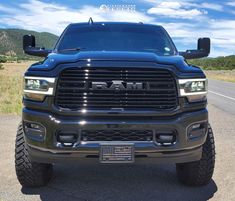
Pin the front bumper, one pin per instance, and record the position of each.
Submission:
(183, 150)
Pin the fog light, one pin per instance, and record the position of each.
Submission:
(197, 130)
(34, 131)
(34, 126)
(67, 139)
(195, 126)
(166, 138)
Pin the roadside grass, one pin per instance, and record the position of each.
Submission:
(224, 75)
(1, 68)
(11, 80)
(11, 94)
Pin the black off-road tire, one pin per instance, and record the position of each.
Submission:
(200, 172)
(29, 174)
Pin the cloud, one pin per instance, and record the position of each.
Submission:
(212, 6)
(6, 9)
(175, 10)
(231, 3)
(187, 5)
(51, 17)
(53, 9)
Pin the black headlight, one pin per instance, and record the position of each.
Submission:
(36, 88)
(193, 89)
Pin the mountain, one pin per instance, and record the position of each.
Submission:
(11, 41)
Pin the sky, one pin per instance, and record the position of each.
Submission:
(184, 20)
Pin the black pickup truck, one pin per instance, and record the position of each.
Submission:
(114, 93)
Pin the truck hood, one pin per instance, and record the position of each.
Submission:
(116, 56)
(113, 55)
(54, 59)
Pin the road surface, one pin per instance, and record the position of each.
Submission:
(222, 95)
(137, 182)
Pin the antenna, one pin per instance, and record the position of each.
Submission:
(90, 21)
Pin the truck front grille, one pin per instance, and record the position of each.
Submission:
(115, 88)
(116, 135)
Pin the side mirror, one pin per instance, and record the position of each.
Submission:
(29, 47)
(28, 41)
(203, 50)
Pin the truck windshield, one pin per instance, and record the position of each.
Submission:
(116, 37)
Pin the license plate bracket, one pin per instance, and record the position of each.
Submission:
(117, 153)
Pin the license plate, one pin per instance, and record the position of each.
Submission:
(117, 153)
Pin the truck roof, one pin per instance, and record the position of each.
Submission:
(112, 23)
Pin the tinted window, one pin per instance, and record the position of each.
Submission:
(111, 37)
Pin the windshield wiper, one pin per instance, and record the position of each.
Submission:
(72, 49)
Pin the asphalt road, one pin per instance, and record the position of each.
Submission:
(137, 182)
(222, 95)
